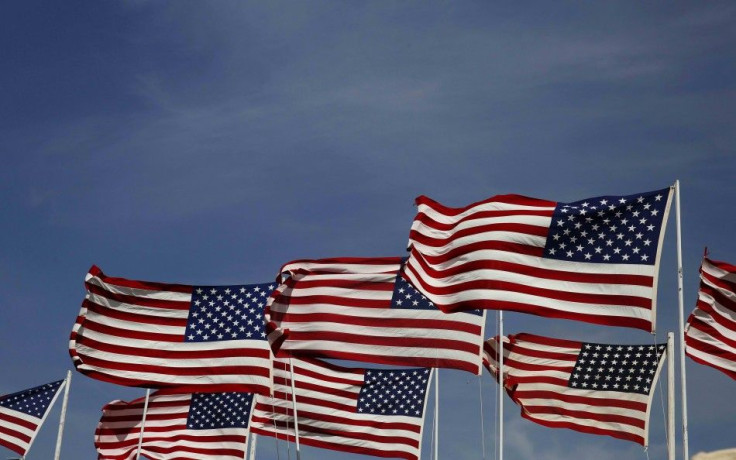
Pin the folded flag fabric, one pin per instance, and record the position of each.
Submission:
(180, 337)
(710, 334)
(178, 426)
(378, 412)
(589, 387)
(23, 413)
(593, 260)
(361, 309)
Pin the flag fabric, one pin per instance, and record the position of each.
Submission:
(180, 337)
(360, 309)
(378, 412)
(593, 260)
(23, 413)
(588, 387)
(710, 334)
(189, 426)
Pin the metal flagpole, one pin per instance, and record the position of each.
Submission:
(680, 298)
(436, 414)
(296, 415)
(143, 424)
(500, 382)
(670, 396)
(253, 439)
(62, 418)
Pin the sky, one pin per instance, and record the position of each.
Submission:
(211, 142)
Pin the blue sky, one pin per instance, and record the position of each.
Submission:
(208, 143)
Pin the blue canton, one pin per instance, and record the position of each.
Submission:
(227, 313)
(393, 392)
(219, 410)
(34, 401)
(624, 368)
(608, 229)
(407, 298)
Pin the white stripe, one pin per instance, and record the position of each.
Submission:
(438, 216)
(133, 326)
(136, 309)
(347, 268)
(468, 295)
(435, 233)
(583, 422)
(136, 292)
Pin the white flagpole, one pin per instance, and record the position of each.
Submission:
(670, 396)
(62, 418)
(437, 414)
(253, 439)
(500, 383)
(296, 415)
(143, 424)
(680, 298)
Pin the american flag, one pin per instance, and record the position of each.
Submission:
(710, 335)
(589, 387)
(593, 260)
(23, 413)
(378, 412)
(189, 338)
(182, 426)
(360, 309)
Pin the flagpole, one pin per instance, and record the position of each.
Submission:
(670, 396)
(62, 418)
(253, 439)
(143, 424)
(293, 402)
(436, 414)
(681, 301)
(500, 382)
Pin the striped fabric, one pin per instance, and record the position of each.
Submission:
(362, 310)
(593, 260)
(377, 412)
(593, 388)
(184, 338)
(710, 335)
(23, 413)
(171, 430)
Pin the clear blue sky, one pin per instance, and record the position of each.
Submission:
(209, 143)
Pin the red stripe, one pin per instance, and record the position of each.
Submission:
(10, 431)
(206, 370)
(505, 246)
(284, 299)
(379, 323)
(14, 447)
(711, 331)
(520, 229)
(575, 399)
(519, 200)
(597, 318)
(94, 326)
(9, 420)
(124, 315)
(535, 272)
(586, 429)
(403, 342)
(171, 389)
(175, 354)
(704, 362)
(582, 415)
(428, 221)
(139, 300)
(147, 285)
(384, 359)
(358, 285)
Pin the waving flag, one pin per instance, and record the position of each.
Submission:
(23, 413)
(362, 310)
(593, 260)
(189, 338)
(710, 335)
(184, 426)
(378, 412)
(588, 387)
